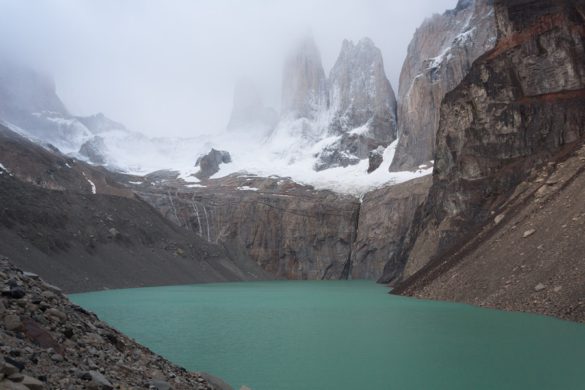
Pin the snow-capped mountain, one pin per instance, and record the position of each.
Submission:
(362, 105)
(333, 133)
(337, 121)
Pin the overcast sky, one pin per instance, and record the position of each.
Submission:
(168, 67)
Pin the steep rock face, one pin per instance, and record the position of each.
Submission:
(362, 105)
(384, 218)
(360, 93)
(520, 105)
(304, 88)
(291, 231)
(248, 112)
(439, 56)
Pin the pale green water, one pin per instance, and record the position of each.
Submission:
(344, 335)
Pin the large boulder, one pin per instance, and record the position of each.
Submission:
(209, 163)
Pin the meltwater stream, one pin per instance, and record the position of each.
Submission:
(336, 335)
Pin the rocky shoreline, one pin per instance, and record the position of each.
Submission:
(47, 342)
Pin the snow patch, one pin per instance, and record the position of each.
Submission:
(360, 130)
(3, 169)
(91, 183)
(247, 188)
(136, 182)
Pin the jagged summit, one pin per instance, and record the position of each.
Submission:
(248, 111)
(359, 88)
(304, 85)
(362, 105)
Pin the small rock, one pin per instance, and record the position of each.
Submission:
(9, 385)
(557, 289)
(16, 377)
(528, 233)
(48, 294)
(8, 369)
(499, 218)
(16, 292)
(56, 313)
(32, 383)
(160, 385)
(12, 322)
(54, 289)
(56, 357)
(99, 381)
(31, 275)
(15, 363)
(539, 287)
(114, 233)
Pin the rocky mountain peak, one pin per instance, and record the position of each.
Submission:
(304, 87)
(362, 105)
(248, 111)
(359, 88)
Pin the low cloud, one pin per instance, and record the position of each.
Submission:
(169, 67)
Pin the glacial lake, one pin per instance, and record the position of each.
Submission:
(337, 335)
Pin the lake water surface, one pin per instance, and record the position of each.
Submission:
(337, 335)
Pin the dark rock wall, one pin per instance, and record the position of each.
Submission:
(384, 218)
(291, 231)
(521, 103)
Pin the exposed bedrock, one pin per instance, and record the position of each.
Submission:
(384, 218)
(439, 56)
(520, 106)
(293, 231)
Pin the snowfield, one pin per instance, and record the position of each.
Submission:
(289, 151)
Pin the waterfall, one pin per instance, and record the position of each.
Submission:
(207, 222)
(173, 208)
(196, 209)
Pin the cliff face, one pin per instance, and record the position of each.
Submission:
(362, 105)
(520, 106)
(290, 230)
(304, 88)
(384, 218)
(439, 56)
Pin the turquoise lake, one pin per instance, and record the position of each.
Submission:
(337, 335)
